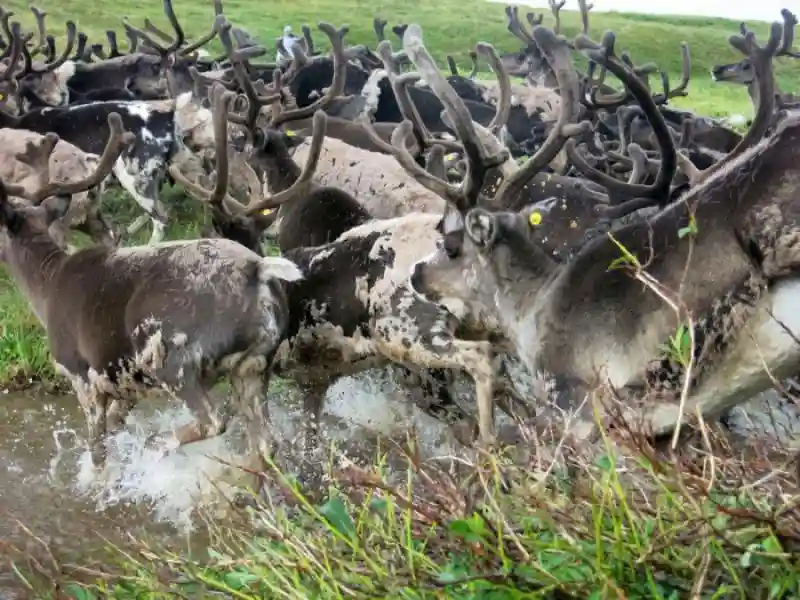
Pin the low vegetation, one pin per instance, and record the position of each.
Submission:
(619, 520)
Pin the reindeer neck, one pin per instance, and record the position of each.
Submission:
(282, 171)
(9, 121)
(34, 259)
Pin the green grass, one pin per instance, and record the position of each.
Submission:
(451, 27)
(698, 526)
(694, 527)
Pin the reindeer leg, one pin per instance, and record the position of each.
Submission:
(144, 188)
(250, 380)
(421, 333)
(94, 404)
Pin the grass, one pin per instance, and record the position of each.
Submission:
(710, 525)
(623, 521)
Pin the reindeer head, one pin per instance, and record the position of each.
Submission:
(46, 80)
(26, 220)
(741, 72)
(158, 62)
(744, 72)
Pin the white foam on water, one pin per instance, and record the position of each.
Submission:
(175, 483)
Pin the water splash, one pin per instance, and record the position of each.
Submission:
(174, 484)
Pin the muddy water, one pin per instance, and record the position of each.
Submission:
(155, 492)
(38, 467)
(151, 492)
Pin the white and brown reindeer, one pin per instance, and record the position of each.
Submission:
(353, 309)
(581, 321)
(175, 315)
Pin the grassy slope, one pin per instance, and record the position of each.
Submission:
(451, 27)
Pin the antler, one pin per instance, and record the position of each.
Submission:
(14, 50)
(220, 100)
(789, 23)
(464, 195)
(761, 60)
(174, 44)
(659, 190)
(556, 50)
(40, 16)
(336, 37)
(218, 197)
(29, 67)
(555, 8)
(37, 155)
(238, 60)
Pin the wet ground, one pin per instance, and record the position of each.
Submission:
(38, 499)
(47, 498)
(46, 491)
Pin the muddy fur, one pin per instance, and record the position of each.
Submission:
(376, 180)
(67, 163)
(573, 319)
(119, 320)
(354, 304)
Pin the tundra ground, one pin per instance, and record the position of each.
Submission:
(706, 525)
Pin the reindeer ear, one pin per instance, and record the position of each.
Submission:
(55, 207)
(481, 227)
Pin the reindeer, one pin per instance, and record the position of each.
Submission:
(743, 72)
(568, 320)
(353, 309)
(117, 319)
(161, 128)
(67, 163)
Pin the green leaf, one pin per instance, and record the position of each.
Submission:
(605, 463)
(472, 529)
(335, 512)
(73, 590)
(771, 545)
(239, 579)
(379, 505)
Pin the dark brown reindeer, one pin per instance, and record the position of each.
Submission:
(573, 320)
(175, 315)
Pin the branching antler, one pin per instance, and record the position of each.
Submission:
(37, 156)
(29, 66)
(218, 198)
(164, 51)
(336, 37)
(658, 191)
(761, 61)
(555, 8)
(238, 59)
(556, 51)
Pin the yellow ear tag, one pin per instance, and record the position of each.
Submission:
(289, 133)
(2, 97)
(535, 218)
(451, 156)
(267, 211)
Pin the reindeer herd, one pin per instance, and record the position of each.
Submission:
(431, 222)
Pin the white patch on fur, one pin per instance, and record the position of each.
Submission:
(139, 109)
(64, 73)
(372, 91)
(280, 268)
(182, 100)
